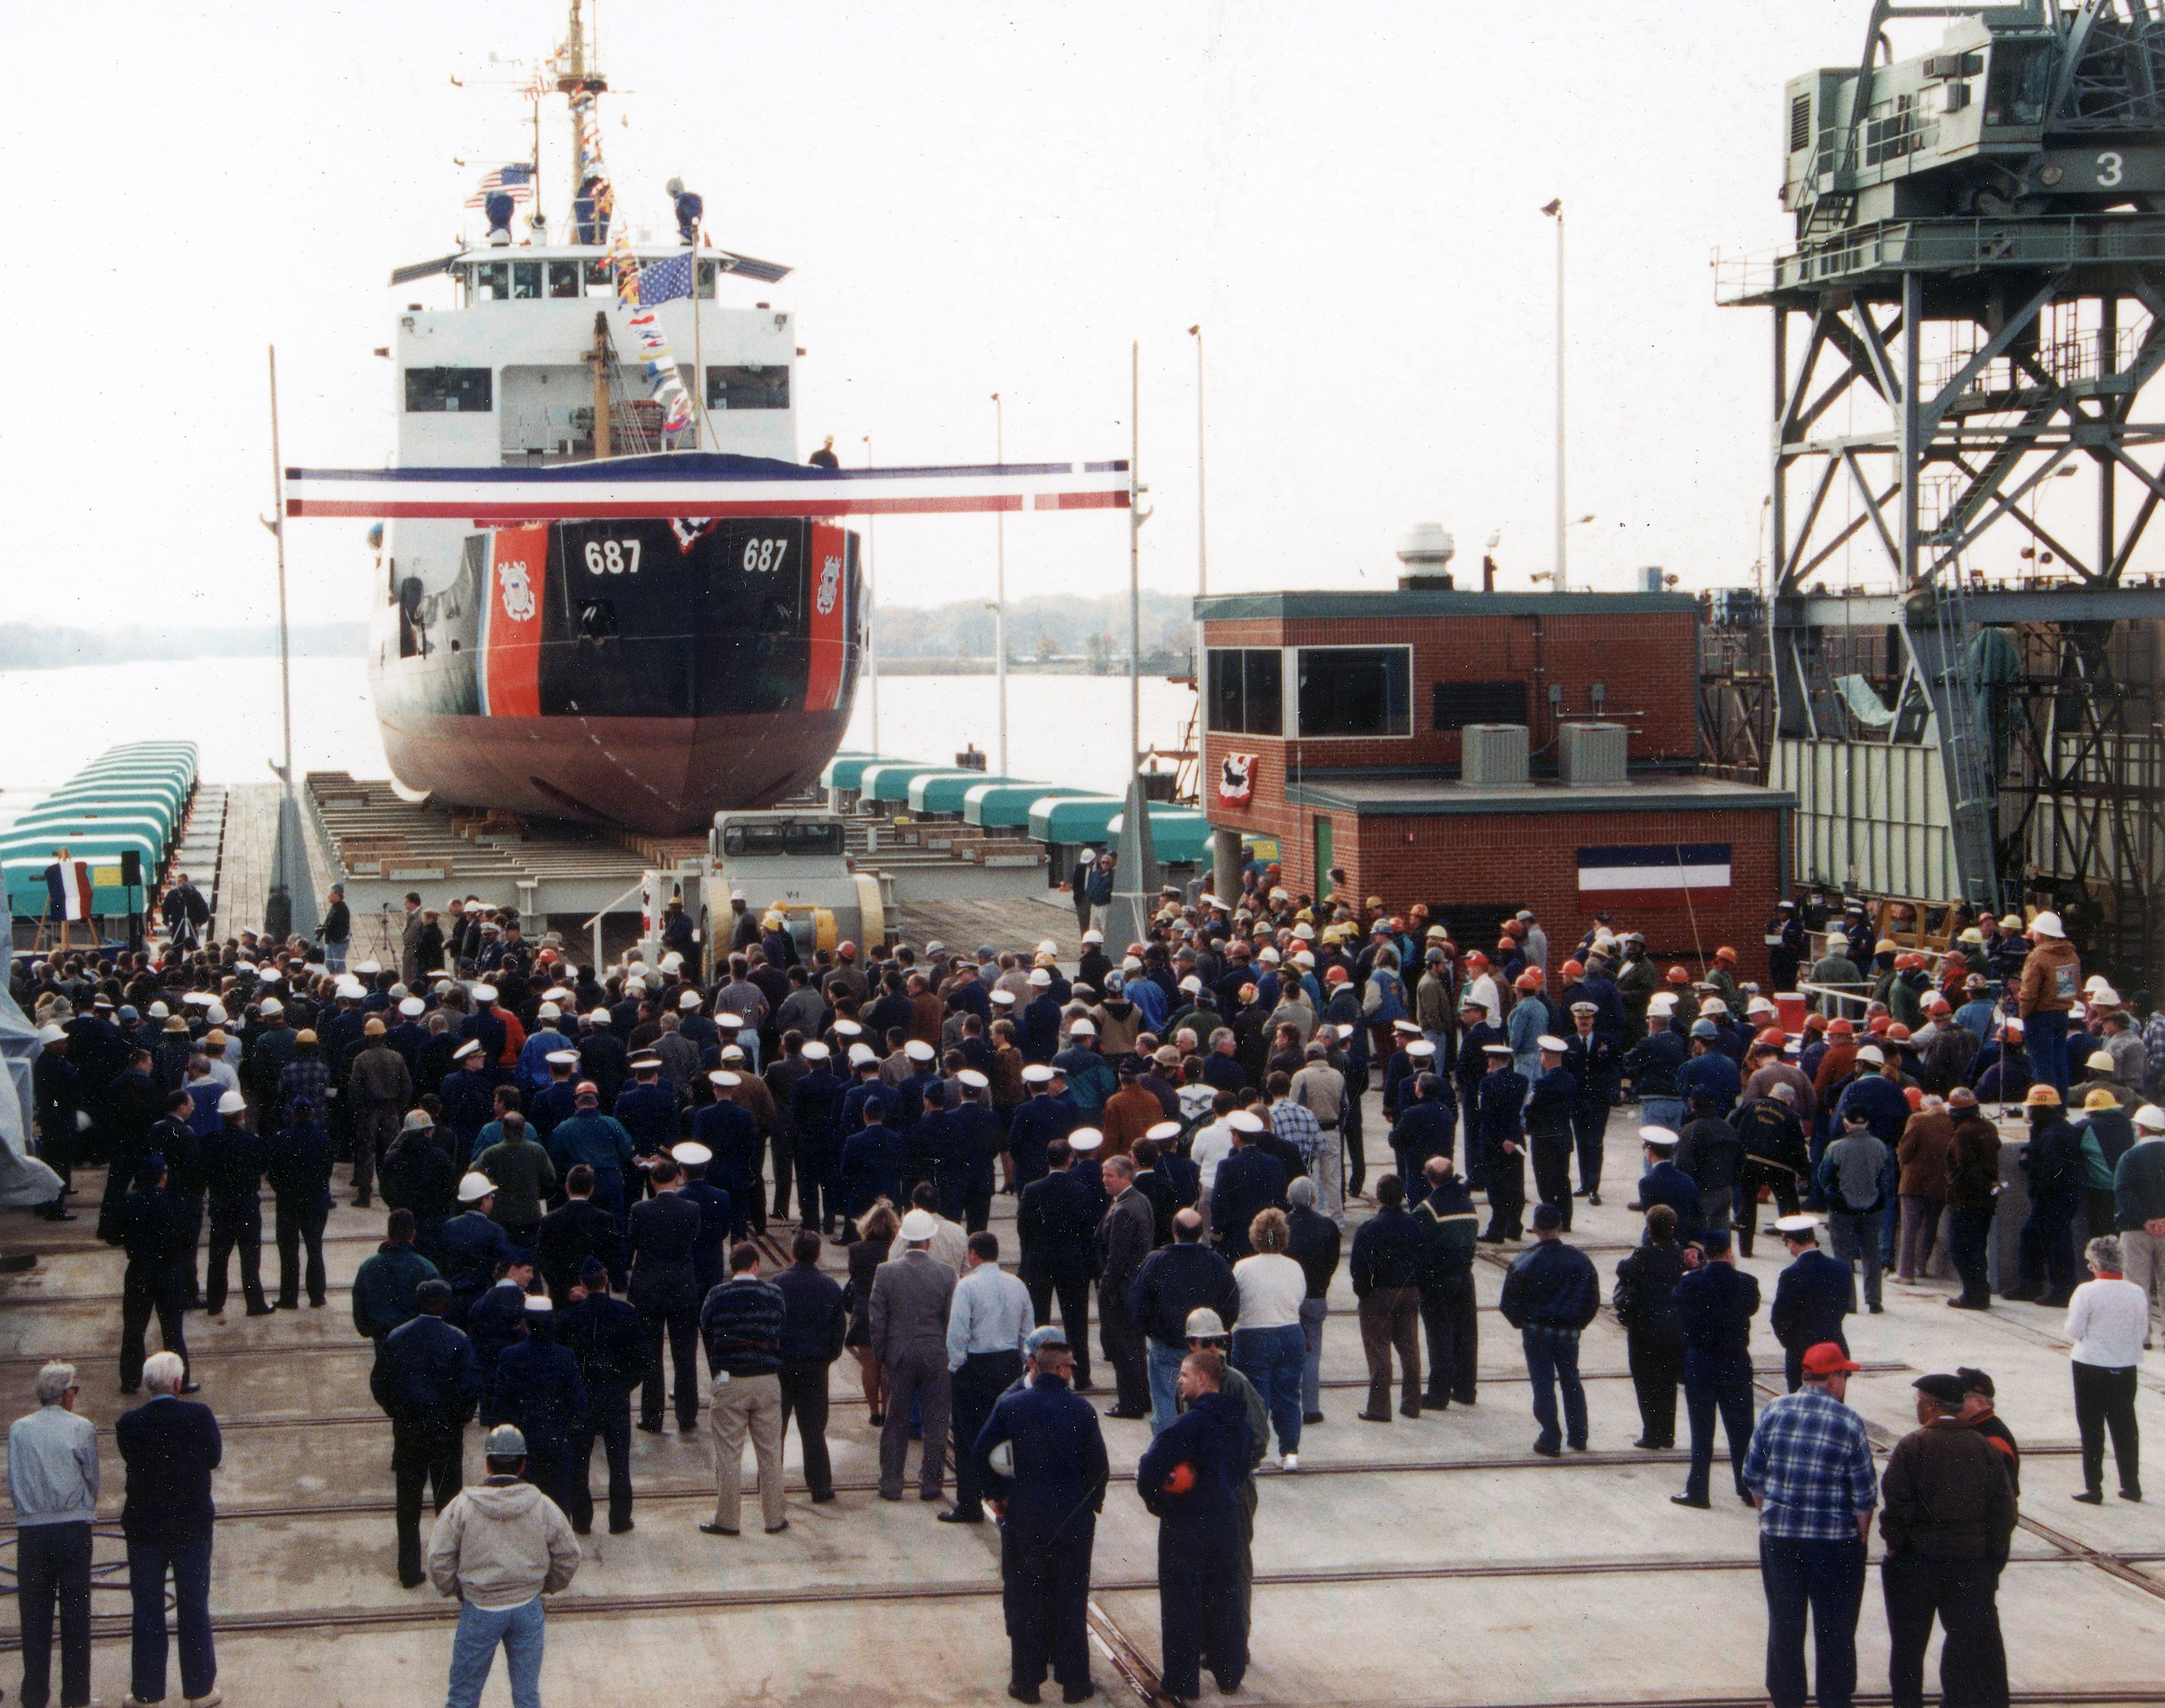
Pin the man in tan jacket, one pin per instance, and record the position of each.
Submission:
(2052, 983)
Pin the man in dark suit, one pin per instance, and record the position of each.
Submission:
(576, 1232)
(1811, 1296)
(604, 1336)
(427, 1381)
(1715, 1304)
(1127, 1236)
(1250, 1181)
(539, 1390)
(171, 1446)
(156, 1228)
(661, 1235)
(1056, 1221)
(813, 1324)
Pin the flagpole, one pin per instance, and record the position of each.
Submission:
(699, 365)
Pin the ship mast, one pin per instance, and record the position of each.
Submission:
(571, 81)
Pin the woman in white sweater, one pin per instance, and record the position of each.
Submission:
(2107, 1319)
(1269, 1347)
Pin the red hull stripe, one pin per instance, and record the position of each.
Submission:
(826, 568)
(511, 622)
(702, 485)
(572, 507)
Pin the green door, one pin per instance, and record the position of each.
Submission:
(1323, 861)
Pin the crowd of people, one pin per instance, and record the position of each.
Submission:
(581, 1168)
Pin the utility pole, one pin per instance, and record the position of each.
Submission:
(289, 909)
(1136, 517)
(1555, 211)
(1000, 585)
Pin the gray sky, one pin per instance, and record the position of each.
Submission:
(977, 199)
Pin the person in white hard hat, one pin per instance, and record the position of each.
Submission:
(907, 1323)
(2048, 990)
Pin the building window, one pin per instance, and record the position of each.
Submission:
(1245, 698)
(526, 282)
(493, 281)
(747, 388)
(1348, 691)
(1458, 703)
(448, 391)
(564, 278)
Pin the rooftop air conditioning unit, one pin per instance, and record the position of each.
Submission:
(1493, 754)
(1592, 754)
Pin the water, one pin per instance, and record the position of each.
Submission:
(1061, 729)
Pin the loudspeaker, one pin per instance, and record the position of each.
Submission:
(131, 867)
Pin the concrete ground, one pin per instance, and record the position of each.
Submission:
(1419, 1562)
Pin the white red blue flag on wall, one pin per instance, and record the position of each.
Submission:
(1660, 875)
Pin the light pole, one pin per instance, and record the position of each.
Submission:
(872, 635)
(1202, 541)
(1000, 584)
(1555, 211)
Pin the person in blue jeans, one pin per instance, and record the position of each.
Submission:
(171, 1446)
(1550, 1294)
(499, 1547)
(1270, 1347)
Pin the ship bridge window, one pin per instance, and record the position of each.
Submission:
(783, 839)
(708, 273)
(448, 391)
(747, 388)
(564, 278)
(526, 281)
(492, 279)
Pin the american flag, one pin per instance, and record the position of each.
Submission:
(664, 280)
(516, 182)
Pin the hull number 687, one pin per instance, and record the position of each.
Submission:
(612, 557)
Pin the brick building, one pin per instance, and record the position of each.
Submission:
(1337, 724)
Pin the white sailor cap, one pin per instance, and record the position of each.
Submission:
(1496, 1050)
(1420, 1046)
(816, 1051)
(919, 1051)
(367, 966)
(538, 1304)
(732, 1053)
(1085, 1140)
(723, 1077)
(859, 1054)
(1798, 1224)
(1658, 1138)
(547, 1011)
(1163, 1130)
(848, 1029)
(562, 1058)
(1243, 1120)
(484, 993)
(413, 1007)
(1002, 998)
(1551, 1042)
(1037, 1074)
(470, 1047)
(728, 1021)
(973, 1078)
(691, 1153)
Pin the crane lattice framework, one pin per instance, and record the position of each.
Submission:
(1973, 305)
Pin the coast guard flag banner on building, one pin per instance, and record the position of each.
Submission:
(1666, 875)
(67, 885)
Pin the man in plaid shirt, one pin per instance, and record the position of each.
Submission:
(307, 1078)
(1294, 1122)
(1809, 1473)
